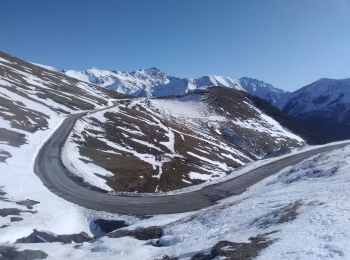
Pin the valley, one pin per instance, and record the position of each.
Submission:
(158, 168)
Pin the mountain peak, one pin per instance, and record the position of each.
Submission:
(264, 90)
(150, 71)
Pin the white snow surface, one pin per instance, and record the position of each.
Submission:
(320, 230)
(45, 66)
(149, 82)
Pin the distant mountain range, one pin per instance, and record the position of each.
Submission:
(324, 104)
(153, 82)
(149, 82)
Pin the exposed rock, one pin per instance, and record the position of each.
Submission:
(281, 215)
(12, 138)
(15, 219)
(166, 257)
(4, 155)
(28, 203)
(2, 194)
(13, 211)
(11, 253)
(45, 237)
(280, 152)
(235, 251)
(147, 233)
(107, 226)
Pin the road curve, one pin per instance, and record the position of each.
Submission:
(49, 168)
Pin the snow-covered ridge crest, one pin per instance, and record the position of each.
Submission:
(149, 82)
(273, 95)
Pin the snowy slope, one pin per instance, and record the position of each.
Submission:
(324, 104)
(198, 137)
(299, 213)
(266, 91)
(149, 82)
(33, 102)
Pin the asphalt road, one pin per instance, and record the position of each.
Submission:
(50, 169)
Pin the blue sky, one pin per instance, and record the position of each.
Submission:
(287, 43)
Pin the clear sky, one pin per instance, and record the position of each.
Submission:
(287, 43)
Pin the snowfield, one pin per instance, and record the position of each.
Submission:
(304, 210)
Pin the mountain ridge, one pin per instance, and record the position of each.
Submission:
(149, 81)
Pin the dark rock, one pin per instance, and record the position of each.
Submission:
(45, 237)
(156, 243)
(149, 233)
(203, 256)
(107, 226)
(152, 232)
(235, 251)
(11, 253)
(282, 151)
(13, 211)
(28, 203)
(16, 219)
(284, 214)
(2, 194)
(9, 211)
(166, 257)
(4, 155)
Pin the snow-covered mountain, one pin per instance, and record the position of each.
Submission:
(275, 96)
(149, 82)
(324, 104)
(296, 213)
(169, 143)
(138, 83)
(154, 83)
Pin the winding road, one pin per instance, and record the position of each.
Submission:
(54, 175)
